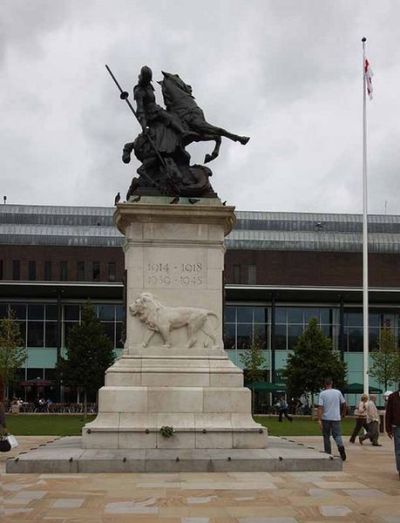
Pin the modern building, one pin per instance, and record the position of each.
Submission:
(281, 269)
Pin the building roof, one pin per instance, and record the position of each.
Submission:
(93, 227)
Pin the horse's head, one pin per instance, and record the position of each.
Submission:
(174, 87)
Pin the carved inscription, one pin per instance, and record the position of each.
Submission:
(175, 275)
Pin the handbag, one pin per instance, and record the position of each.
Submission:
(5, 445)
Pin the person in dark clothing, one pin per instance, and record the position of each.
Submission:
(283, 409)
(392, 424)
(3, 427)
(361, 420)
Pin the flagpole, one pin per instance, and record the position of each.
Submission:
(365, 232)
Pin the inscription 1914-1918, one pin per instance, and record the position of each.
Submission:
(174, 275)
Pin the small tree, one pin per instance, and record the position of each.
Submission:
(89, 354)
(12, 352)
(386, 361)
(253, 362)
(312, 360)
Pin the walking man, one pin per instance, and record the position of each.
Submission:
(372, 423)
(392, 424)
(331, 409)
(283, 409)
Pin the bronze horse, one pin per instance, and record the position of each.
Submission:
(179, 100)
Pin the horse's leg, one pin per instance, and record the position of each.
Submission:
(207, 128)
(215, 153)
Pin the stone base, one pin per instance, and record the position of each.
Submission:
(65, 455)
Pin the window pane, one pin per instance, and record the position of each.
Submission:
(35, 334)
(311, 313)
(353, 319)
(51, 312)
(80, 270)
(373, 339)
(3, 310)
(96, 271)
(251, 274)
(118, 336)
(34, 374)
(280, 337)
(63, 271)
(71, 312)
(119, 312)
(243, 336)
(51, 334)
(22, 331)
(355, 340)
(35, 312)
(32, 270)
(229, 336)
(105, 312)
(111, 271)
(230, 314)
(260, 315)
(16, 269)
(326, 315)
(244, 314)
(261, 334)
(295, 315)
(47, 271)
(236, 274)
(327, 330)
(280, 315)
(374, 319)
(294, 331)
(19, 310)
(109, 331)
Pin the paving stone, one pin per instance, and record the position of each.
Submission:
(195, 520)
(68, 503)
(334, 510)
(365, 493)
(129, 507)
(268, 520)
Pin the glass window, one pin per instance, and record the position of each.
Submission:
(71, 312)
(280, 315)
(260, 334)
(230, 314)
(244, 314)
(16, 270)
(244, 338)
(119, 312)
(51, 312)
(327, 330)
(353, 319)
(96, 271)
(22, 331)
(260, 315)
(355, 343)
(229, 336)
(31, 270)
(19, 310)
(326, 315)
(374, 319)
(35, 312)
(294, 331)
(63, 271)
(119, 344)
(48, 271)
(111, 271)
(105, 312)
(311, 313)
(51, 334)
(35, 334)
(280, 337)
(1, 270)
(109, 331)
(80, 270)
(373, 339)
(295, 315)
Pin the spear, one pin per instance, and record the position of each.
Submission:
(124, 96)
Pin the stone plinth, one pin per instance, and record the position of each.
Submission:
(174, 371)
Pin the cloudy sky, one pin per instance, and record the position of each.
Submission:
(287, 73)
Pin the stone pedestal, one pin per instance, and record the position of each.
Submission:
(174, 371)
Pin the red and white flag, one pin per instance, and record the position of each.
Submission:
(368, 74)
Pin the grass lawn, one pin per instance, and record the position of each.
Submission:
(301, 426)
(71, 425)
(46, 424)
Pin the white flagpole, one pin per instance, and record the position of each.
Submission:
(365, 232)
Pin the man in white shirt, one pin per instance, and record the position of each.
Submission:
(372, 423)
(331, 409)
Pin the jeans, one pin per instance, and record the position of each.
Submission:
(360, 423)
(331, 428)
(372, 432)
(396, 437)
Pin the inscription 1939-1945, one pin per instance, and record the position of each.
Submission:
(174, 275)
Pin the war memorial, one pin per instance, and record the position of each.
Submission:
(173, 401)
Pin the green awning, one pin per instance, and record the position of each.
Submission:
(358, 388)
(267, 387)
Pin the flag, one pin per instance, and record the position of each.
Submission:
(368, 74)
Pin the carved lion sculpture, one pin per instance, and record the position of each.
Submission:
(162, 319)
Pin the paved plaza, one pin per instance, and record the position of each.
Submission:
(366, 491)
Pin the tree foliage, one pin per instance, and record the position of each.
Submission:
(253, 362)
(385, 365)
(12, 352)
(89, 354)
(312, 360)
